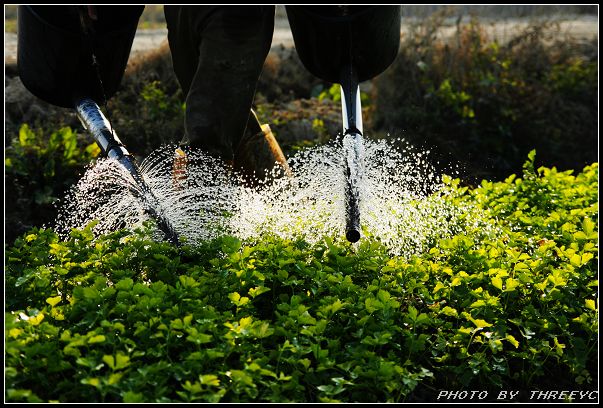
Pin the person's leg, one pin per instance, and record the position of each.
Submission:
(184, 40)
(232, 43)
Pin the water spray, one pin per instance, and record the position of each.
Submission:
(100, 129)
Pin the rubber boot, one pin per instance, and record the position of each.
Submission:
(179, 174)
(257, 155)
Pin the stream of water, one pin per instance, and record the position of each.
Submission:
(401, 198)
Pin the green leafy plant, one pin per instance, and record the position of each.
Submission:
(40, 166)
(121, 318)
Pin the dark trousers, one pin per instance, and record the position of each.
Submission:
(218, 53)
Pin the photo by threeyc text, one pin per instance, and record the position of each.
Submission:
(511, 395)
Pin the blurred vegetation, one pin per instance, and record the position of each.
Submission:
(470, 100)
(486, 104)
(152, 17)
(499, 11)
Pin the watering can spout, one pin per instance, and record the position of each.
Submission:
(100, 129)
(352, 144)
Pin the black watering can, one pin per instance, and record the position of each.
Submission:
(347, 45)
(73, 63)
(54, 55)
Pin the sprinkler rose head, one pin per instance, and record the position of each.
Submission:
(353, 235)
